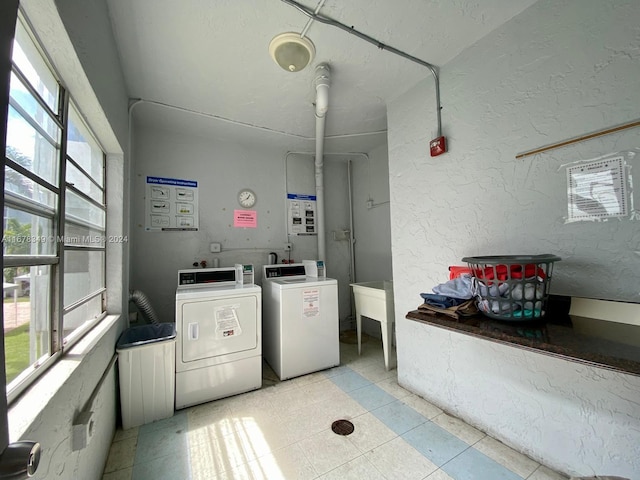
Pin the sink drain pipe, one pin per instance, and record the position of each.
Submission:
(322, 83)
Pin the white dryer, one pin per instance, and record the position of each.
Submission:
(219, 334)
(301, 322)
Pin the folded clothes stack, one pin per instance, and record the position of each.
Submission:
(514, 283)
(453, 298)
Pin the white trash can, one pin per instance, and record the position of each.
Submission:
(146, 365)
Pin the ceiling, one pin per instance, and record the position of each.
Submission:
(211, 57)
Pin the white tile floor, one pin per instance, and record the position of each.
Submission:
(282, 431)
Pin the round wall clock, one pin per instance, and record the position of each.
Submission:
(247, 198)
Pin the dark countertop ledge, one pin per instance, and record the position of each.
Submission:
(547, 337)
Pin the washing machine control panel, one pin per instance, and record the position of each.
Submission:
(204, 276)
(236, 275)
(292, 270)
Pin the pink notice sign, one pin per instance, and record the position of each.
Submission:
(245, 218)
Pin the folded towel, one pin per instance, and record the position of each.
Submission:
(459, 287)
(441, 301)
(466, 309)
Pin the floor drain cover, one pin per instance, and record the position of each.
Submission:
(342, 427)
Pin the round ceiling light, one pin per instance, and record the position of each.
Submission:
(291, 51)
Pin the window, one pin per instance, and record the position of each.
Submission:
(54, 219)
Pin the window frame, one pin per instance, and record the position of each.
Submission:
(58, 343)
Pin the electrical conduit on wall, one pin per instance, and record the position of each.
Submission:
(322, 83)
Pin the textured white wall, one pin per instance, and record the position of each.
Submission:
(575, 418)
(222, 169)
(554, 72)
(299, 171)
(87, 23)
(336, 219)
(47, 412)
(558, 70)
(372, 230)
(372, 226)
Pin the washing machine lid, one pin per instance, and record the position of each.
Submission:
(293, 282)
(215, 290)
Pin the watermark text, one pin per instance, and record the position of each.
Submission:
(66, 239)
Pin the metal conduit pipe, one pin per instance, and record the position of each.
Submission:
(352, 258)
(322, 83)
(211, 116)
(310, 21)
(330, 21)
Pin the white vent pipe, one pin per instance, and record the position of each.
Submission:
(322, 83)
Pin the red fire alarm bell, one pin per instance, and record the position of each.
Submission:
(438, 146)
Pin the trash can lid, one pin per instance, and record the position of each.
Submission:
(145, 334)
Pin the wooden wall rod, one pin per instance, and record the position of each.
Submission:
(582, 138)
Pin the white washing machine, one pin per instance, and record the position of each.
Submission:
(301, 323)
(218, 334)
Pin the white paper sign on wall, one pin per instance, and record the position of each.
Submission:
(171, 204)
(301, 214)
(597, 190)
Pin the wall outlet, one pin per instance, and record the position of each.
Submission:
(82, 430)
(215, 248)
(339, 235)
(287, 247)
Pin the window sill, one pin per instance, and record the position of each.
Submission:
(33, 402)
